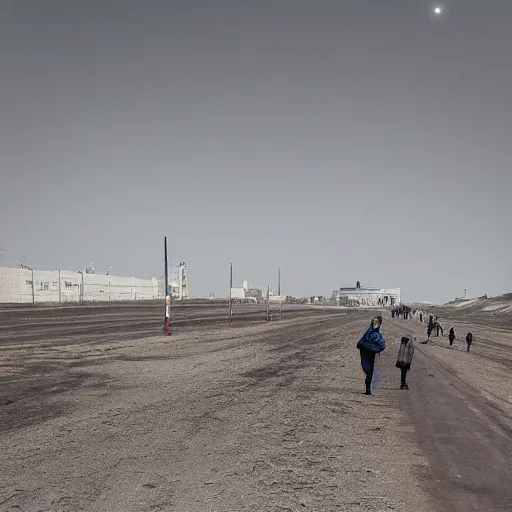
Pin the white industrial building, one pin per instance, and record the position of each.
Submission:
(237, 294)
(25, 285)
(367, 297)
(178, 283)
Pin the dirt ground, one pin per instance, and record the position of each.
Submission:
(258, 417)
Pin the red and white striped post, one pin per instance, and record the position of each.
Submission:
(268, 303)
(230, 301)
(168, 314)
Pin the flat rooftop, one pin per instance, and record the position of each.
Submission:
(362, 289)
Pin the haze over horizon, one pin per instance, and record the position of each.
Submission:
(337, 140)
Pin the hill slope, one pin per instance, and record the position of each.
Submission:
(496, 311)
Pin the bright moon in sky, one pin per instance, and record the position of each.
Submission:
(438, 10)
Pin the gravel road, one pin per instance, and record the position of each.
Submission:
(462, 410)
(264, 416)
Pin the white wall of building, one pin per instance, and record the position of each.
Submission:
(18, 285)
(238, 293)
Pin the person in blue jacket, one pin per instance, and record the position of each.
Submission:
(371, 343)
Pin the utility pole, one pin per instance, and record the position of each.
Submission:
(279, 282)
(33, 287)
(268, 303)
(230, 287)
(167, 316)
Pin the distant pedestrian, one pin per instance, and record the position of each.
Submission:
(371, 343)
(421, 317)
(404, 359)
(429, 332)
(469, 340)
(451, 336)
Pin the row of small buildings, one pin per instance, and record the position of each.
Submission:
(254, 294)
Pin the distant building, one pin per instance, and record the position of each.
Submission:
(254, 294)
(366, 297)
(178, 282)
(237, 294)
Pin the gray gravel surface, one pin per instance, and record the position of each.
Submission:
(72, 323)
(258, 417)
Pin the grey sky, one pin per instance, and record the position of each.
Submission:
(339, 140)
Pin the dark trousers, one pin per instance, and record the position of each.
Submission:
(403, 372)
(368, 380)
(451, 340)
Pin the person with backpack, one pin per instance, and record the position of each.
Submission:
(469, 340)
(451, 336)
(371, 343)
(404, 359)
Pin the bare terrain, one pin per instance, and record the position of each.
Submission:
(99, 411)
(485, 311)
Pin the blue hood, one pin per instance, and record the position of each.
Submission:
(372, 339)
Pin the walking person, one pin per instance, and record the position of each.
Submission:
(451, 336)
(371, 343)
(469, 340)
(430, 327)
(404, 359)
(429, 332)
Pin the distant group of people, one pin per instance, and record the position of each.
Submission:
(433, 324)
(372, 343)
(469, 339)
(404, 311)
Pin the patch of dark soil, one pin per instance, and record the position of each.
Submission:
(125, 357)
(37, 394)
(263, 373)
